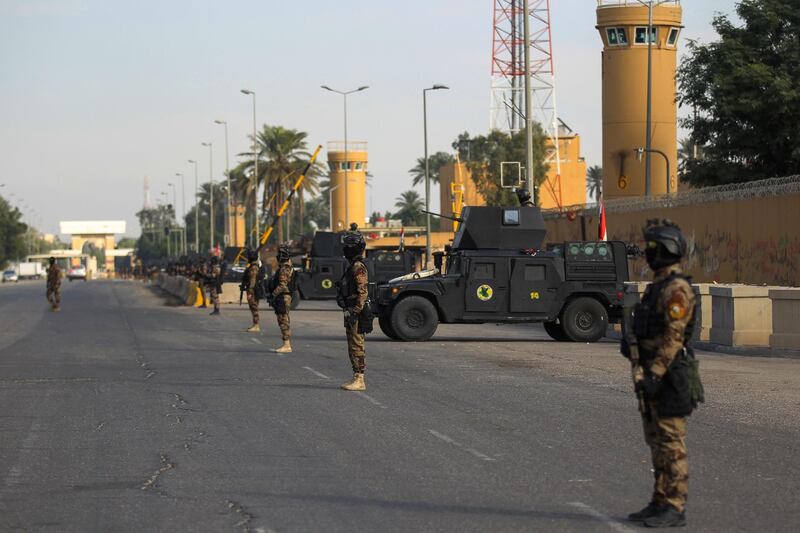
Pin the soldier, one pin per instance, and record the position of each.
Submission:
(662, 327)
(213, 282)
(200, 273)
(281, 297)
(248, 285)
(524, 197)
(54, 285)
(353, 299)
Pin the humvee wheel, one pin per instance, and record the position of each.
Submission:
(584, 320)
(414, 318)
(295, 300)
(556, 331)
(386, 327)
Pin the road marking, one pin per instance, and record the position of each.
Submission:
(320, 374)
(257, 341)
(371, 400)
(448, 440)
(610, 522)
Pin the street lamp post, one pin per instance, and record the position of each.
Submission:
(254, 235)
(169, 236)
(183, 209)
(228, 232)
(346, 159)
(642, 151)
(196, 210)
(427, 171)
(210, 194)
(330, 205)
(174, 213)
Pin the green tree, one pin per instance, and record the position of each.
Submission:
(435, 163)
(12, 233)
(485, 153)
(410, 206)
(744, 95)
(594, 181)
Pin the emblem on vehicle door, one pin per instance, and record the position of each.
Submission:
(485, 292)
(327, 284)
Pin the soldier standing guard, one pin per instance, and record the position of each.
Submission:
(54, 285)
(213, 283)
(249, 280)
(662, 327)
(353, 295)
(281, 297)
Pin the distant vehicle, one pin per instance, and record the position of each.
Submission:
(31, 271)
(496, 271)
(78, 272)
(10, 275)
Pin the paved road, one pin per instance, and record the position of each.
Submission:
(125, 413)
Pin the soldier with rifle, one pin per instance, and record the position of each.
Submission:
(248, 286)
(280, 297)
(213, 281)
(54, 285)
(352, 297)
(665, 373)
(200, 272)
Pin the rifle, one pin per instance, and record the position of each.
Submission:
(454, 219)
(637, 372)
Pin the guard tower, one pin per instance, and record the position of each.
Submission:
(348, 202)
(623, 28)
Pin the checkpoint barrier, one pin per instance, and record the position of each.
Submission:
(742, 315)
(785, 318)
(181, 288)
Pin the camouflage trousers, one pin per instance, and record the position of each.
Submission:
(355, 348)
(252, 303)
(214, 295)
(54, 296)
(666, 439)
(283, 318)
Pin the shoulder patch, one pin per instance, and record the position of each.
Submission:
(676, 308)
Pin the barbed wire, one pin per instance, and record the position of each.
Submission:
(765, 188)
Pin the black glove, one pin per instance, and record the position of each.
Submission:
(649, 386)
(350, 318)
(625, 349)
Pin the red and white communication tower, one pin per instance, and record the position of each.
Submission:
(507, 111)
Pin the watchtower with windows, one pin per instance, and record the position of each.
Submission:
(348, 203)
(623, 28)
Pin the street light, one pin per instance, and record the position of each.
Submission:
(196, 210)
(174, 210)
(427, 173)
(639, 151)
(228, 232)
(254, 235)
(210, 194)
(169, 248)
(346, 161)
(183, 208)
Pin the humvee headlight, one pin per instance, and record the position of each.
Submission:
(395, 290)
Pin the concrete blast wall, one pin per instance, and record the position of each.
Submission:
(753, 240)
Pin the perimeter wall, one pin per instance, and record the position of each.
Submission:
(749, 235)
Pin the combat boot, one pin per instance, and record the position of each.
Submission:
(254, 328)
(286, 347)
(356, 384)
(56, 308)
(667, 516)
(214, 312)
(651, 510)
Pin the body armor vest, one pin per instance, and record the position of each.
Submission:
(649, 323)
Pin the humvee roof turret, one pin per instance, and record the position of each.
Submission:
(500, 228)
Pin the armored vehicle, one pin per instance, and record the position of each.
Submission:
(497, 272)
(325, 265)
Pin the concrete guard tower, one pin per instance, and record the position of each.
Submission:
(353, 164)
(623, 28)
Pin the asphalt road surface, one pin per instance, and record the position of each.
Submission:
(125, 413)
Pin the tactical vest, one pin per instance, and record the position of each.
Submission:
(347, 287)
(273, 282)
(649, 323)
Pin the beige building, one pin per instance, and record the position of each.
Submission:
(623, 28)
(348, 202)
(568, 188)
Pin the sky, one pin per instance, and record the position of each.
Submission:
(97, 94)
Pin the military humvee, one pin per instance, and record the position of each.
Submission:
(497, 272)
(326, 264)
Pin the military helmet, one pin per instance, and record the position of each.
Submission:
(214, 259)
(664, 243)
(523, 195)
(52, 260)
(353, 244)
(251, 255)
(283, 253)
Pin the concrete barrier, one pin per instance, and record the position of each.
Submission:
(741, 315)
(702, 329)
(785, 318)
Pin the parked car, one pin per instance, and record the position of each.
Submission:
(10, 275)
(78, 272)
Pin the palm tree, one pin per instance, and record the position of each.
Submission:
(410, 207)
(594, 181)
(435, 163)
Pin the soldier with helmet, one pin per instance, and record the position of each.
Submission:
(248, 285)
(281, 297)
(213, 282)
(352, 298)
(54, 285)
(662, 326)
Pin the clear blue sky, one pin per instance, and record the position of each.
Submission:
(95, 94)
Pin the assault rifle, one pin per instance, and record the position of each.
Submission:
(454, 219)
(637, 372)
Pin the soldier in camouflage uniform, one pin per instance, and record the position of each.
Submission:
(663, 323)
(353, 299)
(200, 273)
(54, 285)
(282, 297)
(212, 283)
(249, 279)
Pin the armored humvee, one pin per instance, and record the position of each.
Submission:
(326, 264)
(497, 272)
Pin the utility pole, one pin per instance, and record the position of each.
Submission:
(528, 106)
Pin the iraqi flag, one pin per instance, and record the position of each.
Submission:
(602, 234)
